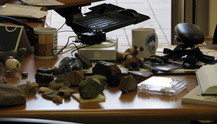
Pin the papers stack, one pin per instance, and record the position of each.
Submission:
(17, 10)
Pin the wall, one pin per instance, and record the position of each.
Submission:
(202, 15)
(212, 16)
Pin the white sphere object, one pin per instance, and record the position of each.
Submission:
(12, 64)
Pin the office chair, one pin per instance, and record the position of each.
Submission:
(215, 36)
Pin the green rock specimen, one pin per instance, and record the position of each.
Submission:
(91, 87)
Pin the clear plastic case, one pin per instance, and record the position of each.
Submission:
(162, 85)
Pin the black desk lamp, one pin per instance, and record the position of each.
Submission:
(188, 35)
(92, 26)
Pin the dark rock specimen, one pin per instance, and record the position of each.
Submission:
(24, 74)
(43, 79)
(10, 96)
(69, 64)
(90, 88)
(140, 76)
(45, 70)
(110, 70)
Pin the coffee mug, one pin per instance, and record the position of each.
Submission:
(147, 39)
(46, 42)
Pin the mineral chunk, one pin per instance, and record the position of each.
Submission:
(61, 81)
(43, 79)
(127, 84)
(43, 89)
(58, 99)
(75, 77)
(68, 64)
(110, 70)
(29, 87)
(50, 95)
(46, 70)
(10, 96)
(24, 74)
(65, 92)
(90, 88)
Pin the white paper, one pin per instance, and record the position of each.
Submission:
(18, 10)
(42, 2)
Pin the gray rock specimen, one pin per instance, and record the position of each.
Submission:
(65, 92)
(127, 84)
(59, 82)
(11, 96)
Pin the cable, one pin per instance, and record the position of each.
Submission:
(61, 50)
(77, 48)
(61, 26)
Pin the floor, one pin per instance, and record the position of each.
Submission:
(158, 10)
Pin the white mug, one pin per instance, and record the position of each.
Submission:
(47, 42)
(147, 39)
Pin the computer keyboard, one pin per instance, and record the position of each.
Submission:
(106, 22)
(109, 21)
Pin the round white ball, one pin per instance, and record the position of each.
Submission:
(12, 64)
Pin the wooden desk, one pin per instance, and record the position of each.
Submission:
(118, 107)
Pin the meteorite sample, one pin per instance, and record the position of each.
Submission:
(110, 70)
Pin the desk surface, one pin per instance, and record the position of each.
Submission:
(129, 107)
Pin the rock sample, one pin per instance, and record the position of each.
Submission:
(110, 70)
(72, 68)
(59, 82)
(69, 64)
(140, 76)
(65, 92)
(90, 88)
(29, 87)
(43, 79)
(127, 84)
(75, 77)
(11, 96)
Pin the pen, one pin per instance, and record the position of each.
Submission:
(150, 68)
